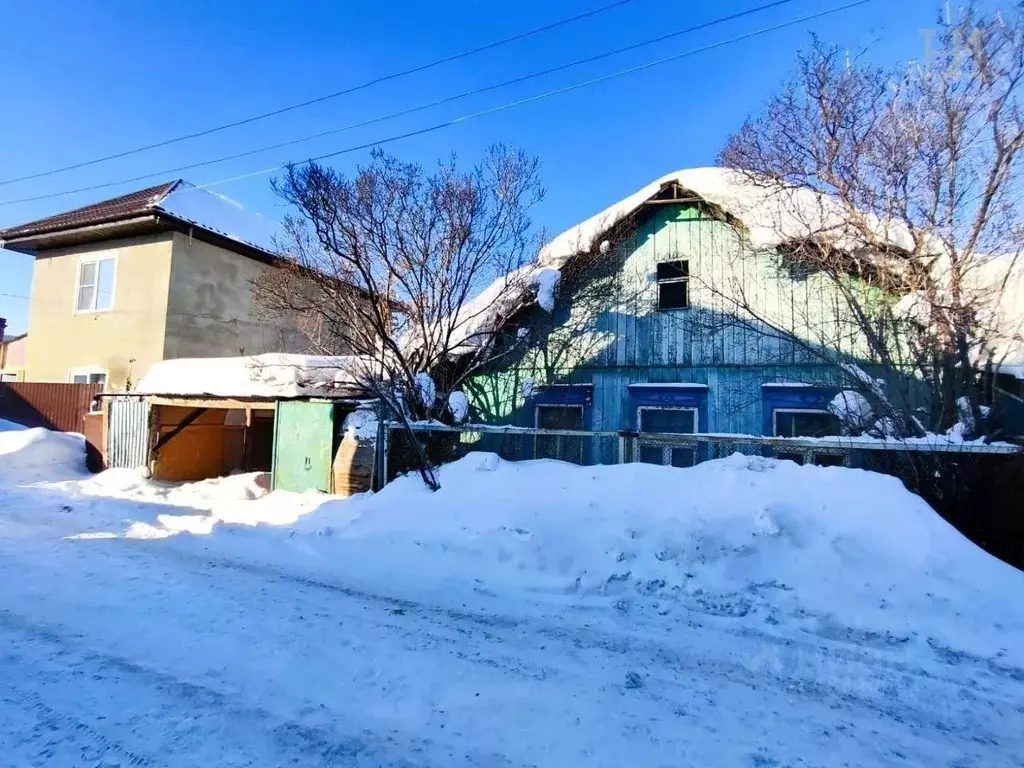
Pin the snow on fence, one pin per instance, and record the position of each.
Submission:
(443, 443)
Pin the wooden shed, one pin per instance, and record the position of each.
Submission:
(284, 414)
(303, 443)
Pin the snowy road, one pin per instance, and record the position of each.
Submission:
(117, 652)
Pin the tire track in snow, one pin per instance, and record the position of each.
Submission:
(194, 705)
(834, 675)
(74, 734)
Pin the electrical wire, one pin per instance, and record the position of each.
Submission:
(457, 120)
(461, 119)
(326, 97)
(439, 102)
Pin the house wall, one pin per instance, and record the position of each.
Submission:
(621, 338)
(210, 307)
(12, 359)
(125, 340)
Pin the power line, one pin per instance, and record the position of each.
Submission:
(462, 118)
(326, 97)
(428, 105)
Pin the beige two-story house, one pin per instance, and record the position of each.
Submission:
(161, 273)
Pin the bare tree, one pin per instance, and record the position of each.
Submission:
(409, 272)
(901, 190)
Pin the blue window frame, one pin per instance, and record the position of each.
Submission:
(668, 408)
(562, 406)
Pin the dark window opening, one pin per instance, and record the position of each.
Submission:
(561, 447)
(671, 420)
(673, 284)
(796, 423)
(679, 421)
(828, 460)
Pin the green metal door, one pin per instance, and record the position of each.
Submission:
(303, 443)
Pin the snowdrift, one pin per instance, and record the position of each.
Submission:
(33, 455)
(846, 554)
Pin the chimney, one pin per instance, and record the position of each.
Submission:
(3, 327)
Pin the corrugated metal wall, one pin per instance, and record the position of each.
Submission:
(42, 404)
(128, 433)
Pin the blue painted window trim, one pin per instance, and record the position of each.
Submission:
(795, 397)
(569, 394)
(579, 395)
(669, 396)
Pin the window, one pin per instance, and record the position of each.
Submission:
(673, 284)
(562, 447)
(666, 420)
(95, 289)
(87, 376)
(803, 422)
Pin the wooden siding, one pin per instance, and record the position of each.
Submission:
(624, 339)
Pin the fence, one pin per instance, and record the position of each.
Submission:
(440, 444)
(55, 406)
(975, 487)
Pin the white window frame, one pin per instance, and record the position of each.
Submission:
(88, 370)
(666, 448)
(558, 438)
(668, 281)
(94, 258)
(775, 422)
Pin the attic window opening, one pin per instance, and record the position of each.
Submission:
(673, 279)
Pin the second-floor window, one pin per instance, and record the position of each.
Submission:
(673, 284)
(95, 289)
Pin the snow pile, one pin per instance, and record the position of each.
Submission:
(426, 389)
(852, 409)
(33, 455)
(268, 375)
(130, 484)
(843, 553)
(240, 499)
(10, 426)
(458, 404)
(826, 548)
(547, 279)
(361, 424)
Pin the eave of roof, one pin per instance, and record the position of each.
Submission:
(126, 225)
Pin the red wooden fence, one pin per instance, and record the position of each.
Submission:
(54, 406)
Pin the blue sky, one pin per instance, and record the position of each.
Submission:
(84, 79)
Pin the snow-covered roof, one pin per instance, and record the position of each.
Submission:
(993, 286)
(272, 375)
(770, 214)
(475, 320)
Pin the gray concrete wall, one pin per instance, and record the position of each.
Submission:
(210, 307)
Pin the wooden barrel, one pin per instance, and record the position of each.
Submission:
(352, 471)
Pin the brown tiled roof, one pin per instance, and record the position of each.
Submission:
(126, 206)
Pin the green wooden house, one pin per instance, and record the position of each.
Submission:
(647, 335)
